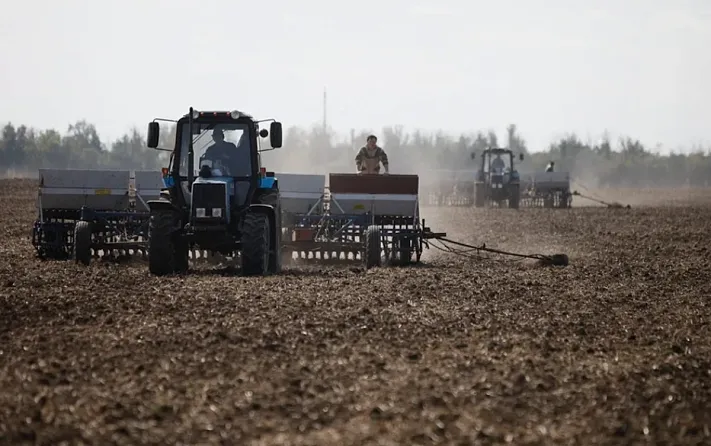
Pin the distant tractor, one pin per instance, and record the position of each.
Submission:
(497, 179)
(229, 204)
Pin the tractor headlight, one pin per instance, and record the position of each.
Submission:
(217, 212)
(200, 212)
(234, 114)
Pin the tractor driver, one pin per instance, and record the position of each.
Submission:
(228, 154)
(370, 156)
(498, 165)
(549, 168)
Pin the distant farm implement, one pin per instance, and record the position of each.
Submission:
(547, 190)
(499, 188)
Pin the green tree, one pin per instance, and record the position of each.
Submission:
(319, 150)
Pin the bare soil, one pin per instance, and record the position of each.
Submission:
(613, 349)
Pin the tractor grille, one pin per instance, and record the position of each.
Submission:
(208, 196)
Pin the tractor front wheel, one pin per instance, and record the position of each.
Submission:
(479, 195)
(255, 244)
(162, 256)
(514, 197)
(272, 198)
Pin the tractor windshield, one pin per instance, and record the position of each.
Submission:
(497, 163)
(224, 147)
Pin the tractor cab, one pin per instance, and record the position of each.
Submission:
(216, 182)
(498, 167)
(498, 164)
(225, 171)
(497, 178)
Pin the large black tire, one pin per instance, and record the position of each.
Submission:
(480, 195)
(514, 197)
(82, 242)
(162, 259)
(372, 247)
(275, 259)
(256, 234)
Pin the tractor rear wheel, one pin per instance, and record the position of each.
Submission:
(272, 198)
(162, 256)
(514, 197)
(479, 195)
(82, 242)
(372, 247)
(256, 233)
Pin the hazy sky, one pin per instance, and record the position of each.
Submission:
(637, 67)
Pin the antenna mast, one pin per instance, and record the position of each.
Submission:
(325, 123)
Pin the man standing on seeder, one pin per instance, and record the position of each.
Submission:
(370, 156)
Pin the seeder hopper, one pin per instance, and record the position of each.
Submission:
(92, 213)
(356, 219)
(547, 189)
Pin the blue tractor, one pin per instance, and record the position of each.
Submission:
(497, 179)
(218, 198)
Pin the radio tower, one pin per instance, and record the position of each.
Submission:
(325, 123)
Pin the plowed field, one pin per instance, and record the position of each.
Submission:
(613, 349)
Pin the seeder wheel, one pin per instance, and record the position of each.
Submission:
(82, 242)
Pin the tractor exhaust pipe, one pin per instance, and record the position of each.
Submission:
(191, 161)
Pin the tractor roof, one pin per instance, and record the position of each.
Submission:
(220, 113)
(497, 150)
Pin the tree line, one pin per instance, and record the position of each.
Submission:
(625, 162)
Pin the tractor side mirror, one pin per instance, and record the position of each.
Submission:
(275, 134)
(263, 133)
(153, 134)
(520, 156)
